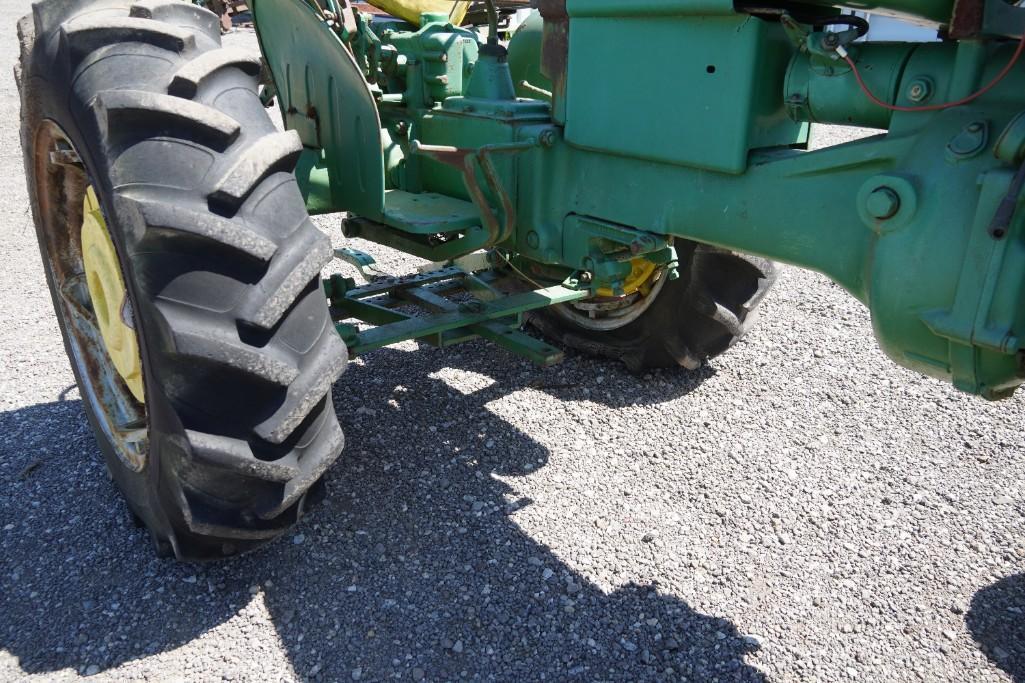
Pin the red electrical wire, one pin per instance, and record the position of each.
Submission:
(937, 107)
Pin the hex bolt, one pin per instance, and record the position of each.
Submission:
(920, 90)
(547, 138)
(882, 203)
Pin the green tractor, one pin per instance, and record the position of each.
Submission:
(599, 175)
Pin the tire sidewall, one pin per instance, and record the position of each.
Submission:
(45, 100)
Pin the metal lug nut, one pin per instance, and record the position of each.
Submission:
(882, 203)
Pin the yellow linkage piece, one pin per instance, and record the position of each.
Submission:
(107, 290)
(639, 280)
(410, 10)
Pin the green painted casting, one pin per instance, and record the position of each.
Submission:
(612, 127)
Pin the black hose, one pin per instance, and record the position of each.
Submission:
(860, 24)
(1001, 222)
(492, 21)
(802, 16)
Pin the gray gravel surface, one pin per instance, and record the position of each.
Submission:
(800, 510)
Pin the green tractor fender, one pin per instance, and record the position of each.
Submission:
(324, 97)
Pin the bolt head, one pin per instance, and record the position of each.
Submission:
(919, 90)
(882, 203)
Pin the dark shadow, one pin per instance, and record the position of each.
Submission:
(996, 619)
(412, 565)
(579, 378)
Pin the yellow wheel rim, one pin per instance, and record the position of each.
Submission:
(110, 300)
(640, 279)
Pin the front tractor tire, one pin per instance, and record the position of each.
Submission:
(184, 269)
(670, 323)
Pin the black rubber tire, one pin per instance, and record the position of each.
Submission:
(692, 319)
(220, 260)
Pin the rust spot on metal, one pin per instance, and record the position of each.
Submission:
(555, 45)
(59, 190)
(966, 20)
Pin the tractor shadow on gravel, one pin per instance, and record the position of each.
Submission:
(996, 619)
(412, 567)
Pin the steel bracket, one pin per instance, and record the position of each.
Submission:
(482, 309)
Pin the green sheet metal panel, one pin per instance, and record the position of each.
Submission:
(703, 90)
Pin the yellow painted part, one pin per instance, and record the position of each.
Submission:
(639, 280)
(107, 291)
(410, 10)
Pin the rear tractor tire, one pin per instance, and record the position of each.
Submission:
(668, 323)
(183, 267)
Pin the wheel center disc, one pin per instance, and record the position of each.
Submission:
(110, 301)
(641, 275)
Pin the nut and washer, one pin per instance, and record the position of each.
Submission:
(920, 89)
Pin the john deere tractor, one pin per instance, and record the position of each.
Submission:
(601, 174)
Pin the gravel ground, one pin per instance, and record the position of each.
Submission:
(802, 509)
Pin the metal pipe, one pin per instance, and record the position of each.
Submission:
(492, 22)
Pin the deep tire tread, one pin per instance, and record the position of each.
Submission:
(88, 34)
(316, 460)
(220, 344)
(307, 390)
(225, 484)
(165, 215)
(274, 152)
(179, 13)
(126, 108)
(297, 262)
(236, 455)
(694, 319)
(187, 81)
